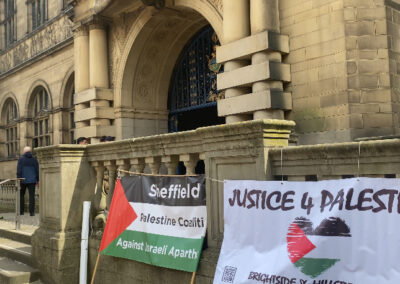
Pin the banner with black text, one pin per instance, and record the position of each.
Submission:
(157, 220)
(326, 232)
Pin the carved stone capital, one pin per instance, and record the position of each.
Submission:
(80, 30)
(98, 22)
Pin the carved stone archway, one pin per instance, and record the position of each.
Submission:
(152, 48)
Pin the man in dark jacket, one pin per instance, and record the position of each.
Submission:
(28, 168)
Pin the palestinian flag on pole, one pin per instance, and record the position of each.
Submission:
(157, 220)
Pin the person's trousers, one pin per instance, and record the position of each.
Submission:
(31, 189)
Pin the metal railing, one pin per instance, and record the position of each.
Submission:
(10, 194)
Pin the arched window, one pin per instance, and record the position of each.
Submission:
(11, 127)
(193, 91)
(42, 131)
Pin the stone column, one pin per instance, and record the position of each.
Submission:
(264, 16)
(81, 58)
(25, 133)
(190, 161)
(236, 25)
(98, 66)
(81, 66)
(154, 164)
(98, 69)
(171, 162)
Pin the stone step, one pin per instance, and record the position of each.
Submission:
(18, 236)
(13, 272)
(17, 251)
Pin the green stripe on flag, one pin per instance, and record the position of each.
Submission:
(165, 251)
(314, 266)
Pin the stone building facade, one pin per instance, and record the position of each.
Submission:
(36, 77)
(138, 69)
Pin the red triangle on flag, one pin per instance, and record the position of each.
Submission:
(121, 215)
(297, 243)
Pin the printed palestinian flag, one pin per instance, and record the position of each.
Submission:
(157, 220)
(314, 251)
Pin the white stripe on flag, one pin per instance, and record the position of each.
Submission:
(329, 247)
(190, 221)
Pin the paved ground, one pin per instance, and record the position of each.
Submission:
(28, 224)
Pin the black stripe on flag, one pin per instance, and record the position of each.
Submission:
(168, 191)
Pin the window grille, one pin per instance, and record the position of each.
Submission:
(194, 81)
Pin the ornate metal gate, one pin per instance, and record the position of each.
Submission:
(194, 82)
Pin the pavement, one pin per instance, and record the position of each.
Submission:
(28, 223)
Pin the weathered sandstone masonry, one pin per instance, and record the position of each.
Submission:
(71, 174)
(252, 54)
(94, 114)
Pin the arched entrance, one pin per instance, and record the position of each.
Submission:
(154, 46)
(193, 95)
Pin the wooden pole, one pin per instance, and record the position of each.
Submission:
(193, 277)
(95, 268)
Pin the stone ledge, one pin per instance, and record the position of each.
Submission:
(236, 136)
(244, 48)
(256, 101)
(248, 75)
(95, 131)
(94, 112)
(93, 94)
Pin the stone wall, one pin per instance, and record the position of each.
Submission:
(340, 69)
(318, 67)
(370, 101)
(52, 74)
(393, 32)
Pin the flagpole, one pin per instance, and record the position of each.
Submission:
(95, 268)
(193, 276)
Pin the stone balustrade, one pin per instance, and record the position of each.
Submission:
(71, 174)
(161, 154)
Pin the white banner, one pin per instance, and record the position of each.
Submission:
(326, 232)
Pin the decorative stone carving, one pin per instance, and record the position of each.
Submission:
(218, 5)
(51, 35)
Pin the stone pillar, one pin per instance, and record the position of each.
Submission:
(98, 62)
(57, 128)
(66, 181)
(25, 130)
(154, 164)
(81, 58)
(264, 16)
(93, 111)
(236, 25)
(123, 165)
(190, 161)
(171, 162)
(138, 164)
(81, 66)
(266, 74)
